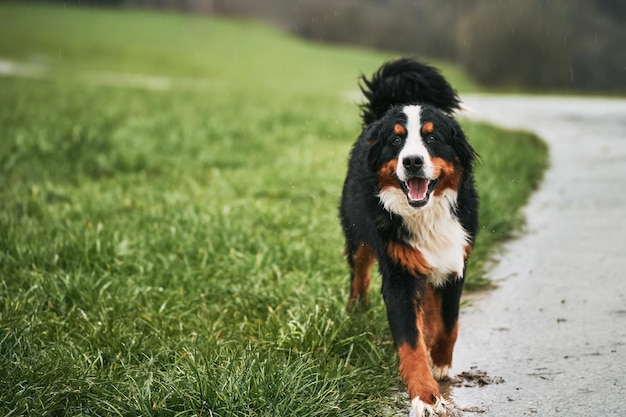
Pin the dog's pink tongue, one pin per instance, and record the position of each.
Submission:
(418, 188)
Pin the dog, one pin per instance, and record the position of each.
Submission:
(409, 202)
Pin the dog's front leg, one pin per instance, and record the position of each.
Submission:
(403, 294)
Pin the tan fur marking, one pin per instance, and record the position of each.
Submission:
(428, 127)
(432, 313)
(398, 129)
(412, 259)
(439, 342)
(450, 176)
(363, 259)
(443, 347)
(386, 175)
(415, 369)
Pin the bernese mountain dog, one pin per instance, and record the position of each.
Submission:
(409, 202)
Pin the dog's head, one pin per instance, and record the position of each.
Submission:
(419, 152)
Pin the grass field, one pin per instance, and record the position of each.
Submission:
(177, 251)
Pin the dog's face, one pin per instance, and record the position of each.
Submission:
(418, 152)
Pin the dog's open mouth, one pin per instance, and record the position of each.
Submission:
(418, 190)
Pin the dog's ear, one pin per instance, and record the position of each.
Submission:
(373, 153)
(467, 154)
(375, 142)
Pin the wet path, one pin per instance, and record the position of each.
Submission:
(555, 329)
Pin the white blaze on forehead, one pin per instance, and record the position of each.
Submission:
(414, 146)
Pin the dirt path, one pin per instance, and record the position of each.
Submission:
(555, 329)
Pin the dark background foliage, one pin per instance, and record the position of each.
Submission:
(531, 44)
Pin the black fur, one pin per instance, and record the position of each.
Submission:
(364, 219)
(405, 81)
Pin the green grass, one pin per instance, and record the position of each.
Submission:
(178, 252)
(222, 52)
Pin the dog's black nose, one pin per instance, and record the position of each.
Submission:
(413, 163)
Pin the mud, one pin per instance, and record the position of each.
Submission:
(473, 378)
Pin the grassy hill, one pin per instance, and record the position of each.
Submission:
(176, 250)
(221, 51)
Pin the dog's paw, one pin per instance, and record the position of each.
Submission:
(421, 409)
(440, 373)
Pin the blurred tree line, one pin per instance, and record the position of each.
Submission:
(535, 44)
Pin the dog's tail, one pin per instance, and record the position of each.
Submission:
(405, 81)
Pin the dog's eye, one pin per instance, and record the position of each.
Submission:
(396, 140)
(431, 139)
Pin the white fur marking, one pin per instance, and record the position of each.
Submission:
(421, 409)
(440, 372)
(414, 146)
(436, 232)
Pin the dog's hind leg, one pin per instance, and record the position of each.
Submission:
(361, 261)
(441, 308)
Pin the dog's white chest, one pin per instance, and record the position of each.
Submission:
(435, 231)
(444, 250)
